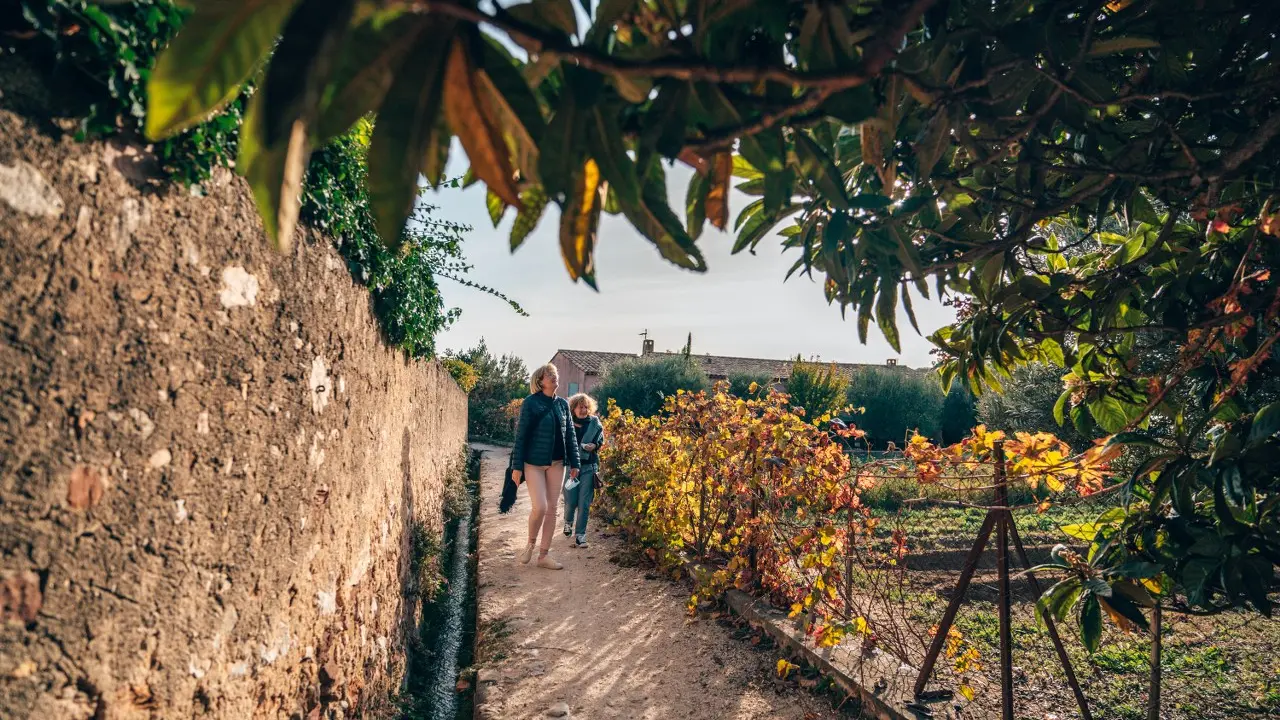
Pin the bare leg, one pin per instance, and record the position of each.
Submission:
(552, 478)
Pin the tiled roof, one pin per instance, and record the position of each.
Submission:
(592, 361)
(715, 366)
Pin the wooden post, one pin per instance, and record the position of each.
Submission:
(953, 607)
(1002, 568)
(1052, 628)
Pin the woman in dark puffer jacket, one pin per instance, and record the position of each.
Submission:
(545, 444)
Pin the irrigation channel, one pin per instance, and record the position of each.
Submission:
(448, 627)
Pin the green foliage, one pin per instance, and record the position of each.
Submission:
(959, 414)
(105, 54)
(914, 142)
(895, 403)
(740, 385)
(499, 381)
(1027, 405)
(108, 53)
(641, 384)
(819, 389)
(462, 373)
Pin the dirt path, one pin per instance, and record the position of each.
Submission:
(605, 640)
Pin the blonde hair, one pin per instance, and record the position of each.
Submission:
(583, 399)
(535, 381)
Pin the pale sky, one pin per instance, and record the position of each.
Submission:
(739, 307)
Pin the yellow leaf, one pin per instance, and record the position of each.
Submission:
(579, 221)
(785, 667)
(967, 692)
(464, 111)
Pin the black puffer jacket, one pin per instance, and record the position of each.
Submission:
(540, 444)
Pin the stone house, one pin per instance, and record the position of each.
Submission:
(583, 370)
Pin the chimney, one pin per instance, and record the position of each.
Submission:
(647, 348)
(891, 362)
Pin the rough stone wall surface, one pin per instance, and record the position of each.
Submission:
(211, 467)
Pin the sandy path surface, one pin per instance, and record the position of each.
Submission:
(605, 640)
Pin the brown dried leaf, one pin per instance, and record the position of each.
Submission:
(718, 195)
(467, 116)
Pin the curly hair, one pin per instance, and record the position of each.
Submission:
(583, 399)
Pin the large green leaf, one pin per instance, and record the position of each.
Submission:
(547, 14)
(1091, 622)
(886, 311)
(535, 202)
(753, 222)
(275, 172)
(410, 135)
(1109, 413)
(610, 152)
(1266, 422)
(655, 220)
(364, 72)
(301, 65)
(819, 168)
(1057, 600)
(219, 47)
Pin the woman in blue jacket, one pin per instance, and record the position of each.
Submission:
(545, 444)
(578, 495)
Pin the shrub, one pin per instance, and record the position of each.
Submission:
(817, 388)
(462, 373)
(896, 403)
(499, 383)
(740, 385)
(959, 414)
(641, 384)
(1027, 404)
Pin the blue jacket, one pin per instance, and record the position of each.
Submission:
(594, 433)
(537, 448)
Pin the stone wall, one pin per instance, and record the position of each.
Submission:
(211, 467)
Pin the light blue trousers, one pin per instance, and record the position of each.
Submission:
(577, 502)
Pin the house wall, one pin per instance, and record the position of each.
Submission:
(571, 376)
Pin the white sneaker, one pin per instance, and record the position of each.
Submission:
(581, 542)
(568, 529)
(527, 554)
(548, 562)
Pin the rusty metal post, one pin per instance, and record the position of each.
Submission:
(751, 549)
(1001, 501)
(1153, 698)
(1052, 628)
(953, 607)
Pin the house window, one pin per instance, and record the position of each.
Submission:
(573, 388)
